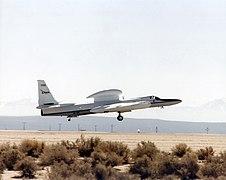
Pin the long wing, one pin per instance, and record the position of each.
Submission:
(120, 107)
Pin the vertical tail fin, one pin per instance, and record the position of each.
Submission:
(45, 98)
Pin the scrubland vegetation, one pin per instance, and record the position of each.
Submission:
(93, 158)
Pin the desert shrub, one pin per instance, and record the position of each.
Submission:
(32, 148)
(110, 154)
(220, 178)
(106, 158)
(205, 154)
(223, 156)
(86, 146)
(103, 172)
(58, 153)
(118, 148)
(69, 144)
(166, 165)
(210, 170)
(215, 166)
(187, 167)
(141, 167)
(11, 157)
(27, 166)
(7, 146)
(145, 148)
(4, 147)
(170, 177)
(82, 169)
(180, 150)
(162, 165)
(79, 169)
(2, 166)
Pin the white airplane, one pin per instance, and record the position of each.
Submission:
(104, 102)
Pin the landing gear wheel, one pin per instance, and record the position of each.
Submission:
(69, 118)
(120, 117)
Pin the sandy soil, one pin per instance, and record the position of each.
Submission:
(162, 141)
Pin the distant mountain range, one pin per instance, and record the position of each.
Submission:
(108, 124)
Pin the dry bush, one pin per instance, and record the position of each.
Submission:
(210, 170)
(166, 165)
(223, 156)
(27, 166)
(221, 177)
(2, 166)
(69, 144)
(4, 147)
(205, 154)
(180, 150)
(161, 166)
(118, 148)
(11, 157)
(106, 158)
(145, 148)
(215, 166)
(187, 167)
(86, 146)
(148, 161)
(110, 154)
(141, 167)
(31, 148)
(79, 169)
(103, 172)
(170, 177)
(82, 169)
(58, 153)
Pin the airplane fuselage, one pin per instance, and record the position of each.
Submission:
(104, 102)
(74, 110)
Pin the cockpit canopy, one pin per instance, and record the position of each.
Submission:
(150, 98)
(155, 98)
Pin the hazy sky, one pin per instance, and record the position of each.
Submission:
(167, 48)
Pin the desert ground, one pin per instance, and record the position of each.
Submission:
(163, 141)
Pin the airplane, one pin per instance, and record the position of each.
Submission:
(105, 101)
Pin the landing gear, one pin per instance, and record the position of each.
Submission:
(69, 118)
(120, 117)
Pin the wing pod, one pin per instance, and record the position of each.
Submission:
(106, 95)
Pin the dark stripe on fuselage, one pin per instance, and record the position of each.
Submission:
(163, 101)
(171, 100)
(69, 113)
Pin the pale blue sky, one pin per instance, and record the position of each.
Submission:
(167, 48)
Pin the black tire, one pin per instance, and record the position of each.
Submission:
(120, 118)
